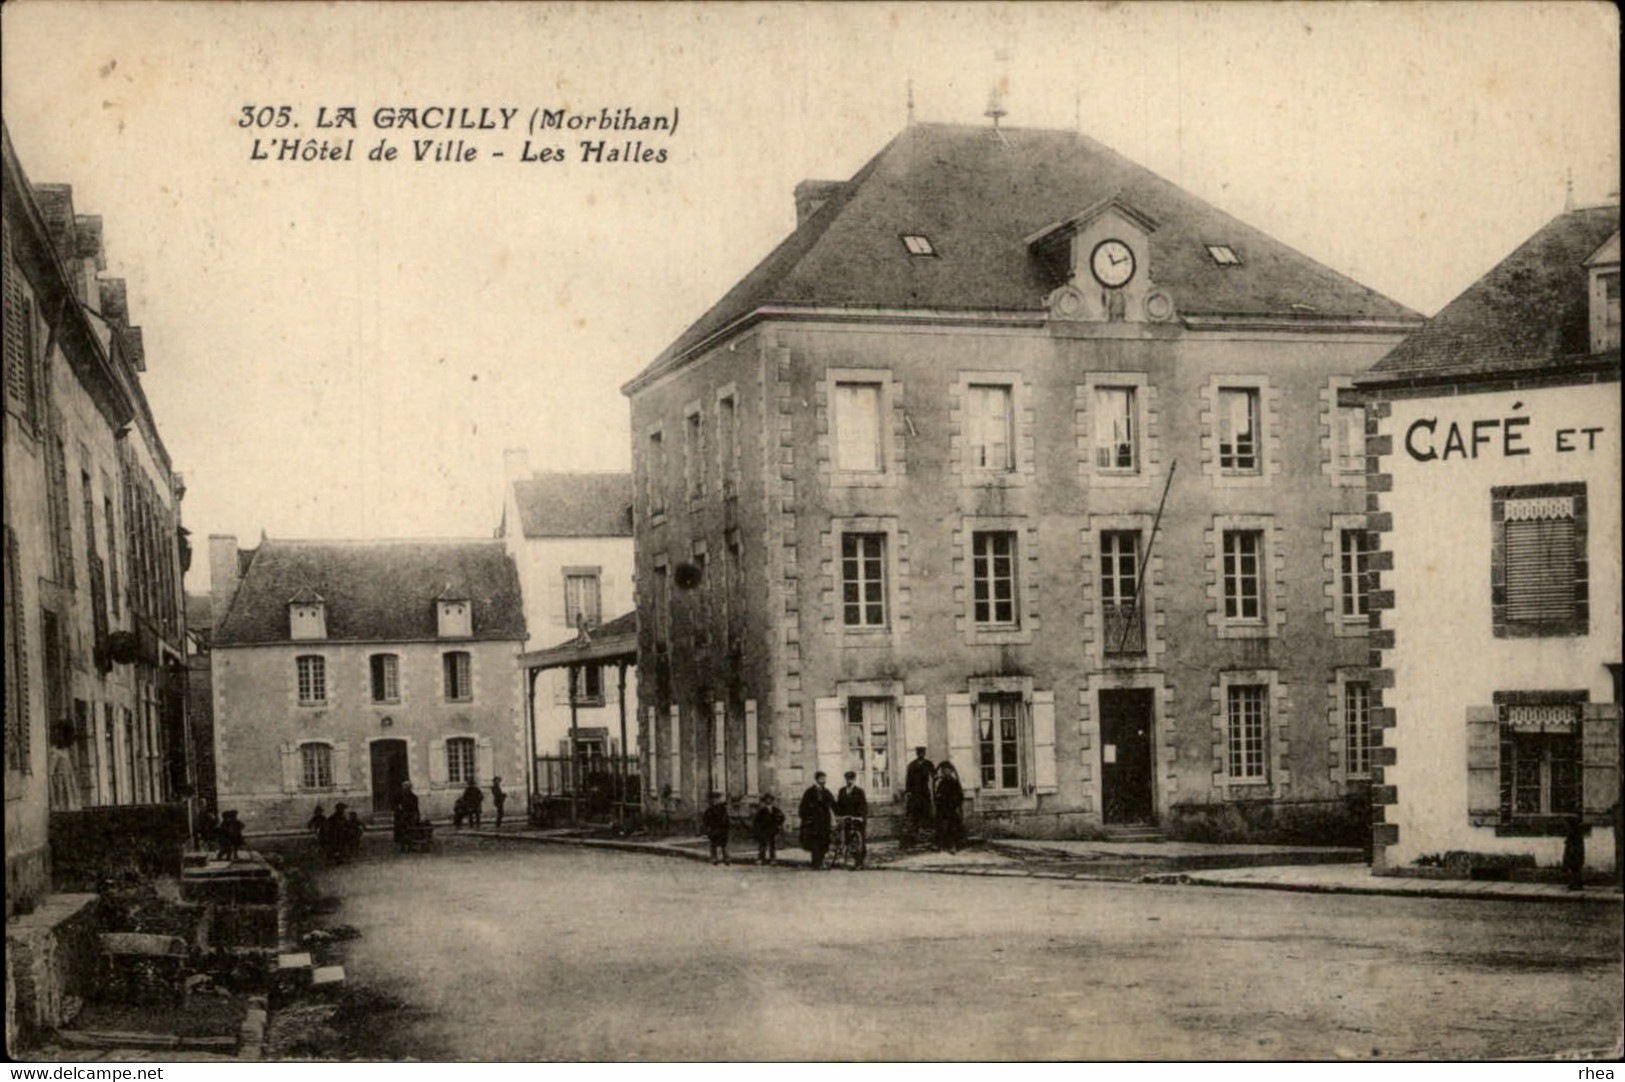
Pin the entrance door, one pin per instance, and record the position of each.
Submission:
(388, 774)
(1125, 756)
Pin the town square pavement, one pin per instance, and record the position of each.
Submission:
(502, 951)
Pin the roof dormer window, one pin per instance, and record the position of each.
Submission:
(455, 617)
(918, 244)
(1602, 268)
(1224, 255)
(307, 616)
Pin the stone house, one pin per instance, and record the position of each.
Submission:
(1018, 452)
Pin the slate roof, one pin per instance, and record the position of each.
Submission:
(374, 590)
(1532, 310)
(977, 194)
(575, 504)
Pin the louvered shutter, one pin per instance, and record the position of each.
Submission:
(437, 762)
(1599, 752)
(341, 764)
(1540, 570)
(555, 601)
(19, 731)
(290, 768)
(752, 782)
(915, 728)
(962, 741)
(651, 750)
(485, 761)
(719, 747)
(831, 745)
(675, 752)
(1044, 742)
(1483, 765)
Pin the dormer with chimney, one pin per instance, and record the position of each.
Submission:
(1602, 269)
(1099, 265)
(307, 616)
(454, 613)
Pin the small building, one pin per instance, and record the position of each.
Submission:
(1495, 474)
(344, 669)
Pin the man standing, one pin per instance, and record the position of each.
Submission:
(473, 802)
(498, 799)
(853, 804)
(817, 806)
(917, 798)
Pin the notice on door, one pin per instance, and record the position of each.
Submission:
(1108, 753)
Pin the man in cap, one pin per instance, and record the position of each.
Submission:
(852, 807)
(917, 797)
(817, 808)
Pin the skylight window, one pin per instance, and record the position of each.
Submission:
(1224, 255)
(918, 244)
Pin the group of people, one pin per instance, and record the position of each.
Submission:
(470, 807)
(933, 803)
(337, 835)
(933, 800)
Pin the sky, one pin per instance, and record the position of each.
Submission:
(345, 349)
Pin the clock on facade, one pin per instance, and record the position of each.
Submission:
(1112, 263)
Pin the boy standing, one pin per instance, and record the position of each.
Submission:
(715, 823)
(768, 821)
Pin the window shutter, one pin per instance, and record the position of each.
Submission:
(719, 747)
(484, 762)
(560, 679)
(651, 750)
(341, 764)
(675, 752)
(914, 728)
(831, 746)
(1540, 570)
(1044, 742)
(1599, 756)
(752, 783)
(555, 601)
(437, 762)
(1483, 765)
(962, 741)
(290, 768)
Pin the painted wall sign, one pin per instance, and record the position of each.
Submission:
(1428, 439)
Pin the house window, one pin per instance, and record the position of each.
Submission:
(581, 599)
(1119, 592)
(863, 579)
(918, 244)
(1246, 716)
(386, 678)
(312, 670)
(460, 760)
(728, 444)
(1540, 760)
(458, 676)
(1609, 336)
(1116, 435)
(694, 454)
(589, 685)
(1539, 571)
(1223, 255)
(655, 477)
(998, 732)
(1243, 583)
(993, 578)
(1353, 559)
(857, 427)
(1350, 439)
(868, 743)
(316, 766)
(1238, 430)
(991, 436)
(1357, 727)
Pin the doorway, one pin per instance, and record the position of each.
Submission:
(389, 773)
(1126, 789)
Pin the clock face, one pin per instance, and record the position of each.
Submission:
(1112, 263)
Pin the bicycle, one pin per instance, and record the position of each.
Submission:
(850, 844)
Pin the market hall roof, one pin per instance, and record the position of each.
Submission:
(978, 194)
(575, 504)
(616, 641)
(374, 591)
(1532, 310)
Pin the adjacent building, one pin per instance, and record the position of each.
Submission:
(343, 669)
(1015, 451)
(1495, 482)
(94, 549)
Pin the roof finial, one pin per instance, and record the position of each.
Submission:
(911, 103)
(995, 106)
(1568, 191)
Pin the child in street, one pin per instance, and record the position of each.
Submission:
(768, 821)
(715, 823)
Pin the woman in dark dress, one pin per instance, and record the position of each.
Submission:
(949, 796)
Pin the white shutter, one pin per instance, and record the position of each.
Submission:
(1044, 742)
(555, 601)
(675, 752)
(831, 743)
(341, 764)
(719, 747)
(753, 784)
(651, 750)
(290, 768)
(914, 728)
(962, 741)
(484, 762)
(609, 601)
(437, 762)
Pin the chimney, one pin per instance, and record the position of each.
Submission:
(224, 575)
(812, 194)
(515, 465)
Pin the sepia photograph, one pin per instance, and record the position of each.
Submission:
(807, 533)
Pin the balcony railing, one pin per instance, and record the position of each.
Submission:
(1124, 631)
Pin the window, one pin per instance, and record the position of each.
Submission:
(589, 687)
(1357, 728)
(1353, 558)
(728, 444)
(458, 676)
(316, 766)
(1246, 717)
(386, 681)
(1539, 570)
(312, 671)
(1350, 438)
(868, 743)
(1607, 334)
(918, 244)
(112, 546)
(1243, 582)
(863, 579)
(1223, 255)
(581, 598)
(1238, 430)
(993, 578)
(991, 438)
(655, 477)
(857, 427)
(998, 732)
(460, 760)
(1116, 435)
(1540, 760)
(1119, 598)
(694, 454)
